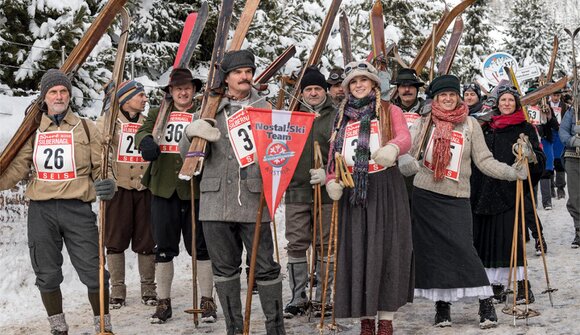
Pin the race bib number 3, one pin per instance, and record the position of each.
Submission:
(535, 115)
(241, 137)
(54, 156)
(174, 131)
(126, 151)
(454, 167)
(351, 141)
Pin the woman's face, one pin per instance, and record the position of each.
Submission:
(360, 86)
(448, 100)
(507, 104)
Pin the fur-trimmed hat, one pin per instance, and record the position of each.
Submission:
(182, 76)
(336, 76)
(51, 78)
(313, 77)
(362, 68)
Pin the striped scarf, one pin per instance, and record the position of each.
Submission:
(354, 110)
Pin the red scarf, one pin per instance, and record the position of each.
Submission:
(502, 121)
(444, 121)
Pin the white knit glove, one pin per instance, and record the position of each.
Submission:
(386, 156)
(203, 128)
(520, 172)
(408, 165)
(317, 176)
(334, 189)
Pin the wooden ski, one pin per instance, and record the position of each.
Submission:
(344, 28)
(423, 55)
(190, 36)
(378, 33)
(110, 112)
(317, 50)
(543, 91)
(575, 76)
(555, 46)
(193, 162)
(73, 62)
(262, 79)
(451, 49)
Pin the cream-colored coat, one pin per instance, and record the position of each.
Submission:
(87, 155)
(127, 175)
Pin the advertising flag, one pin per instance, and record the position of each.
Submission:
(280, 137)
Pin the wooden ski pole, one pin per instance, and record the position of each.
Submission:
(251, 275)
(335, 269)
(317, 223)
(275, 239)
(195, 310)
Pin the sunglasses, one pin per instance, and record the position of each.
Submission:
(361, 66)
(335, 76)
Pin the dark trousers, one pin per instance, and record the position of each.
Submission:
(225, 250)
(50, 223)
(128, 221)
(171, 219)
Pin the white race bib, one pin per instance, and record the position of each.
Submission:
(535, 115)
(241, 137)
(351, 140)
(126, 151)
(411, 118)
(454, 167)
(54, 156)
(174, 131)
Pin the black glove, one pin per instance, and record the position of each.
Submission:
(149, 149)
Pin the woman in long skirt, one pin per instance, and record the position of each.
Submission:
(375, 265)
(447, 265)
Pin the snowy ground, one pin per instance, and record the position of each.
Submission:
(21, 310)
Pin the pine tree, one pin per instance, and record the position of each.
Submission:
(475, 41)
(529, 33)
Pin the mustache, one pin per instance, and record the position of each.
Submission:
(245, 81)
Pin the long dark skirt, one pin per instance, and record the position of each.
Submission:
(492, 237)
(445, 257)
(375, 253)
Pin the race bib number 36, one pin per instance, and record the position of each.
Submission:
(241, 137)
(452, 170)
(54, 156)
(351, 141)
(126, 151)
(174, 131)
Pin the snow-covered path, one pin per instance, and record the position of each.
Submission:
(21, 310)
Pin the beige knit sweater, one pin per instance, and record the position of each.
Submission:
(474, 148)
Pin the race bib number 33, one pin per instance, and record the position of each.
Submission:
(54, 156)
(351, 141)
(174, 131)
(241, 137)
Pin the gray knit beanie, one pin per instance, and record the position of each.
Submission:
(237, 59)
(51, 78)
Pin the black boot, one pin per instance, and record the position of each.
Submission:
(521, 295)
(576, 242)
(229, 294)
(163, 311)
(487, 316)
(443, 314)
(271, 300)
(499, 295)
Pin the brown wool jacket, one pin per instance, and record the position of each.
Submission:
(87, 156)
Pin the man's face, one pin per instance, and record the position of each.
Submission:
(57, 99)
(182, 94)
(336, 91)
(408, 94)
(313, 95)
(470, 97)
(555, 97)
(136, 104)
(240, 80)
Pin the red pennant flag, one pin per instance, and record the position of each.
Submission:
(280, 137)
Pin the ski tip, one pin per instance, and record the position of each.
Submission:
(184, 177)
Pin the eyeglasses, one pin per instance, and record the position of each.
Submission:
(362, 66)
(335, 76)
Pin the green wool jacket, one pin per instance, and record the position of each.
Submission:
(162, 175)
(300, 190)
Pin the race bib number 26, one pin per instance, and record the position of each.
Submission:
(54, 156)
